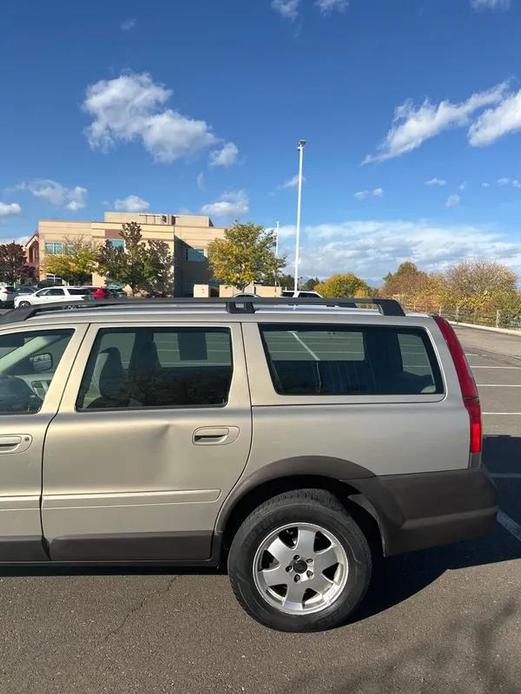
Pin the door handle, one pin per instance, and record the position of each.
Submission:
(207, 436)
(15, 443)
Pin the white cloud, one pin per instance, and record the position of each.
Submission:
(230, 206)
(364, 194)
(497, 122)
(8, 210)
(453, 201)
(200, 180)
(329, 6)
(286, 8)
(133, 107)
(504, 181)
(490, 4)
(485, 185)
(128, 24)
(436, 182)
(372, 248)
(55, 193)
(226, 156)
(291, 183)
(412, 125)
(132, 203)
(463, 185)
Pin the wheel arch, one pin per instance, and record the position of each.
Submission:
(317, 472)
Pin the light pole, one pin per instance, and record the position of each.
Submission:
(300, 147)
(276, 252)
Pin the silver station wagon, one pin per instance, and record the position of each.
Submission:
(289, 439)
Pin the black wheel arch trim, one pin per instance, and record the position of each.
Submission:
(335, 469)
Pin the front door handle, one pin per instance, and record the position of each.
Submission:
(207, 436)
(15, 443)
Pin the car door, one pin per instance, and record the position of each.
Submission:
(29, 356)
(153, 432)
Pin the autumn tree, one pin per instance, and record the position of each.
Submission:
(343, 285)
(480, 283)
(246, 254)
(12, 262)
(75, 264)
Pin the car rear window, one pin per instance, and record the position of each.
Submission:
(350, 360)
(78, 292)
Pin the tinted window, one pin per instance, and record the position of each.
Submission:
(157, 367)
(78, 292)
(28, 362)
(350, 360)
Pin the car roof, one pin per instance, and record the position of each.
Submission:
(158, 311)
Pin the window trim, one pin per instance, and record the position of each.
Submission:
(152, 326)
(369, 398)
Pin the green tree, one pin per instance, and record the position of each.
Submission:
(12, 262)
(310, 284)
(158, 268)
(76, 264)
(343, 285)
(127, 266)
(245, 255)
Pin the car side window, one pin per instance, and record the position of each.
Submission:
(143, 368)
(28, 362)
(350, 360)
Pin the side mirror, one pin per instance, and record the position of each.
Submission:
(42, 362)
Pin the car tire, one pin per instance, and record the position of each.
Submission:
(311, 597)
(23, 304)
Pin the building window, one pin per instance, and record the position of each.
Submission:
(54, 247)
(116, 243)
(195, 255)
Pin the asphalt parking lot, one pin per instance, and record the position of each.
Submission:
(442, 620)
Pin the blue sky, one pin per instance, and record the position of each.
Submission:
(198, 105)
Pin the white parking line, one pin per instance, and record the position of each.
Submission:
(310, 351)
(509, 524)
(503, 413)
(495, 367)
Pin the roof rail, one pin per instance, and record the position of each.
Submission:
(387, 307)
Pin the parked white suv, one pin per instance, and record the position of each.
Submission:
(301, 294)
(52, 295)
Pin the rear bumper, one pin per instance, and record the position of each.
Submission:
(417, 511)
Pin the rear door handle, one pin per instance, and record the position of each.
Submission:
(15, 443)
(208, 436)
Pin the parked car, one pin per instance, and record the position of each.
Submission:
(26, 289)
(51, 295)
(7, 295)
(291, 447)
(301, 294)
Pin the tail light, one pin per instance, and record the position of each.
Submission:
(467, 383)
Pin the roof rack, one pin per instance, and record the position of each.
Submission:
(387, 307)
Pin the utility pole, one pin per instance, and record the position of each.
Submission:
(300, 148)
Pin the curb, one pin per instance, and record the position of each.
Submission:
(505, 331)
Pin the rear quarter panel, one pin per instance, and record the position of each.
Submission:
(383, 434)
